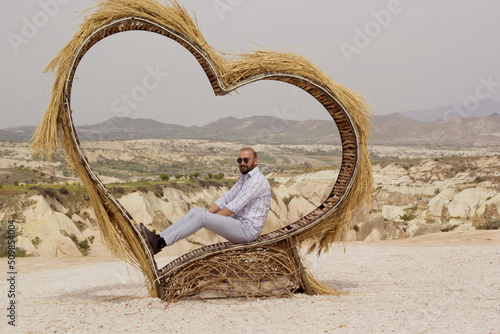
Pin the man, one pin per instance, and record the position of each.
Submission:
(238, 216)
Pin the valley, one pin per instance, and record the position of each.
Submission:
(416, 191)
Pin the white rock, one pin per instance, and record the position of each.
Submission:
(391, 212)
(465, 202)
(435, 206)
(374, 236)
(48, 228)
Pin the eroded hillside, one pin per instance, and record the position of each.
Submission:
(411, 197)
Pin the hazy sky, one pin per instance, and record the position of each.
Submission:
(402, 55)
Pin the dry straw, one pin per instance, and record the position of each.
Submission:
(118, 230)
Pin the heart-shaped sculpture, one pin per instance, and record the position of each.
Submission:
(181, 277)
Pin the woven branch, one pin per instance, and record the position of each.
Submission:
(237, 274)
(320, 228)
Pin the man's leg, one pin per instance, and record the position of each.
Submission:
(229, 228)
(178, 225)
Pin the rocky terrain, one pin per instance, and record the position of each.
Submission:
(417, 190)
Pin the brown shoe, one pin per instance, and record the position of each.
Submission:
(152, 239)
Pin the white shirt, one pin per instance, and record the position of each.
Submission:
(249, 199)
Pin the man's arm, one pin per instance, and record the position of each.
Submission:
(250, 191)
(214, 208)
(226, 198)
(224, 212)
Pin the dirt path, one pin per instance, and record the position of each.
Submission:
(442, 283)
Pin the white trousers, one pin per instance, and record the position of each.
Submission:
(232, 229)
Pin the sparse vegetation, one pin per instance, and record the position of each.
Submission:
(36, 241)
(83, 246)
(449, 228)
(219, 176)
(157, 172)
(142, 189)
(408, 216)
(194, 175)
(490, 225)
(158, 190)
(286, 200)
(117, 190)
(6, 236)
(80, 225)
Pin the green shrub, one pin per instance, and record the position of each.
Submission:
(36, 241)
(164, 177)
(47, 192)
(288, 199)
(142, 189)
(449, 228)
(491, 225)
(118, 190)
(158, 190)
(194, 176)
(408, 216)
(5, 237)
(80, 225)
(83, 246)
(207, 183)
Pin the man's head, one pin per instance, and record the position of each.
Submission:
(247, 160)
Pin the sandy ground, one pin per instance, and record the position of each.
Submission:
(438, 283)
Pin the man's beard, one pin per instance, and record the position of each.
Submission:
(244, 169)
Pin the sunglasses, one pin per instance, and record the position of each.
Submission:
(245, 160)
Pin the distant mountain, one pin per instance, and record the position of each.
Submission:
(483, 108)
(124, 128)
(253, 129)
(17, 133)
(269, 129)
(395, 129)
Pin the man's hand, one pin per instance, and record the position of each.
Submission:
(225, 212)
(214, 208)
